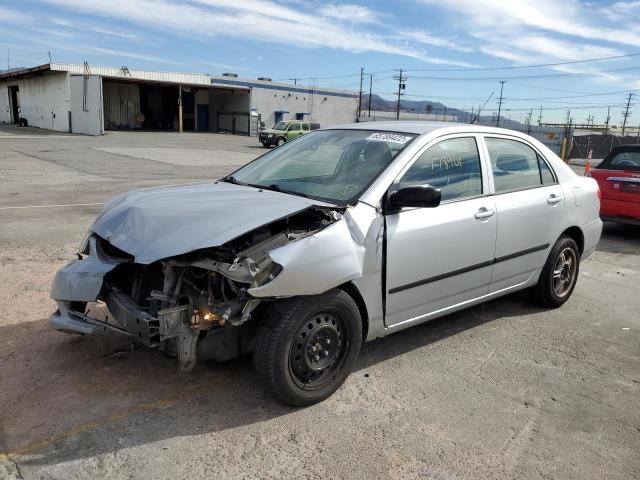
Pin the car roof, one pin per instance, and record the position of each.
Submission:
(418, 127)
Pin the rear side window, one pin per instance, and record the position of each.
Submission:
(516, 166)
(305, 127)
(452, 165)
(315, 126)
(622, 161)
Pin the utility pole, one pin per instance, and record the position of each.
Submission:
(626, 114)
(540, 116)
(529, 121)
(502, 82)
(444, 114)
(607, 122)
(370, 89)
(401, 86)
(360, 94)
(49, 53)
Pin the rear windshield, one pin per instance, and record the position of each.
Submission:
(622, 161)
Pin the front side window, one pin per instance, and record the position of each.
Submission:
(452, 165)
(516, 166)
(280, 126)
(336, 166)
(305, 127)
(294, 127)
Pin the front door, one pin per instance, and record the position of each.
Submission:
(441, 257)
(529, 208)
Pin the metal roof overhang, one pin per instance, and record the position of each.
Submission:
(167, 83)
(23, 72)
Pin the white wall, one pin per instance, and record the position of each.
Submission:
(87, 122)
(324, 108)
(44, 100)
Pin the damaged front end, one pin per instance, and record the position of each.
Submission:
(196, 305)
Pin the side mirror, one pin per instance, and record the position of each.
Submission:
(421, 196)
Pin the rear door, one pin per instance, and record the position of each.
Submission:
(529, 208)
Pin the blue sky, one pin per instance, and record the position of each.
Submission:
(441, 45)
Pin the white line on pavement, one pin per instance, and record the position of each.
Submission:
(53, 206)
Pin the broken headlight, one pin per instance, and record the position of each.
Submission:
(266, 274)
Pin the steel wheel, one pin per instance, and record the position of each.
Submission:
(564, 272)
(318, 350)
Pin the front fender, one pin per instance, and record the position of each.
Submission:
(315, 264)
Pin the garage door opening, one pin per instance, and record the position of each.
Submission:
(155, 107)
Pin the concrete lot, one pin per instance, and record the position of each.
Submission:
(503, 390)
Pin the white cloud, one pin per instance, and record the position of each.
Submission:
(128, 54)
(349, 13)
(566, 18)
(436, 41)
(256, 19)
(12, 16)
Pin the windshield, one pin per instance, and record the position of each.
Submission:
(331, 165)
(280, 126)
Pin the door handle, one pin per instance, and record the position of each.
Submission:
(553, 199)
(485, 213)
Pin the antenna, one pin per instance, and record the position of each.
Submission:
(477, 117)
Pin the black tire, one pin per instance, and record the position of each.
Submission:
(281, 141)
(265, 144)
(286, 358)
(546, 292)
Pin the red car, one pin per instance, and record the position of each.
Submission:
(619, 179)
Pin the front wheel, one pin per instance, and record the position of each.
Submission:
(281, 141)
(306, 346)
(559, 275)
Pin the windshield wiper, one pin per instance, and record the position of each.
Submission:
(277, 188)
(231, 179)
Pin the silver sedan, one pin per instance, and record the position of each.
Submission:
(341, 236)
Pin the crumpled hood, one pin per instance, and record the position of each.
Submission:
(163, 222)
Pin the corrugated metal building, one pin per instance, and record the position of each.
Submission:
(89, 99)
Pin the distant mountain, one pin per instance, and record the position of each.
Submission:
(426, 106)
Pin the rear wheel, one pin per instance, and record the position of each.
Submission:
(559, 275)
(306, 346)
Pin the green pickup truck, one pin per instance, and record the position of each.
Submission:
(284, 131)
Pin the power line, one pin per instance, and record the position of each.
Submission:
(549, 75)
(517, 67)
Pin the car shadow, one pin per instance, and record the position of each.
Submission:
(619, 238)
(68, 397)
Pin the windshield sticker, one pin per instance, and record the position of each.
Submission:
(389, 137)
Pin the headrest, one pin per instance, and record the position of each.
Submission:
(512, 163)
